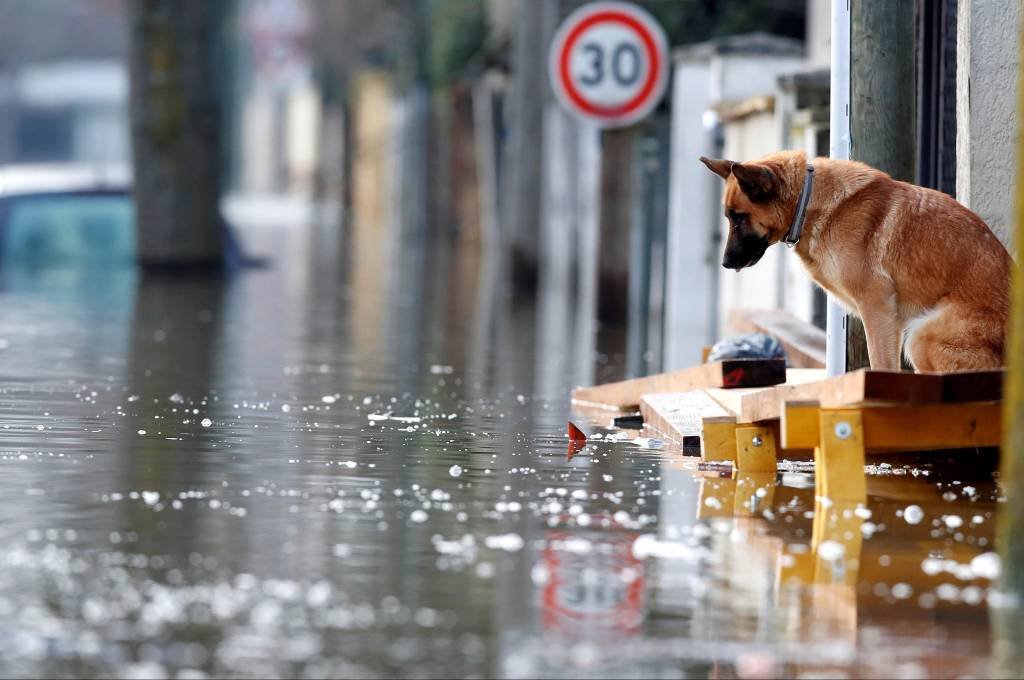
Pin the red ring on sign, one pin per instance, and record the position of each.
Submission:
(652, 75)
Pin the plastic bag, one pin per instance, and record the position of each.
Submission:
(750, 346)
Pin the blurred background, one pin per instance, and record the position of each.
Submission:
(422, 124)
(382, 126)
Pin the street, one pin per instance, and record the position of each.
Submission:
(302, 472)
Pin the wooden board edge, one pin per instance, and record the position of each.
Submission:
(605, 407)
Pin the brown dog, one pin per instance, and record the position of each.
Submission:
(912, 263)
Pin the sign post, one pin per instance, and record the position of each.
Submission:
(608, 63)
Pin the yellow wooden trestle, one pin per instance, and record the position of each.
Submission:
(841, 437)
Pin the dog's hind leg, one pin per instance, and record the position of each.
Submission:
(950, 338)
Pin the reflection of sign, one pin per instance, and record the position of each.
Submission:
(609, 63)
(601, 586)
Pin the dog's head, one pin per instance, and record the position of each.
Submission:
(753, 207)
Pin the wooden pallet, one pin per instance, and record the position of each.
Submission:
(746, 426)
(755, 404)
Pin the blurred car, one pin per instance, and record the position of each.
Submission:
(64, 215)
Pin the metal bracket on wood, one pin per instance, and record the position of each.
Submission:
(755, 449)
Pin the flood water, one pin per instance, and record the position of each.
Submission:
(357, 467)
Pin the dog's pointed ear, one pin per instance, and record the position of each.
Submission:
(758, 182)
(719, 166)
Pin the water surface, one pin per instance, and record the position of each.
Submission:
(356, 467)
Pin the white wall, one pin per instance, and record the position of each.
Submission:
(819, 33)
(987, 54)
(692, 196)
(744, 75)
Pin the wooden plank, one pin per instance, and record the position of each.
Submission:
(804, 343)
(680, 415)
(799, 426)
(950, 426)
(729, 373)
(718, 443)
(902, 427)
(973, 386)
(839, 458)
(756, 404)
(868, 385)
(732, 400)
(768, 405)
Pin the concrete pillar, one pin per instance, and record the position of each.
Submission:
(616, 224)
(176, 119)
(882, 115)
(1008, 620)
(520, 202)
(986, 90)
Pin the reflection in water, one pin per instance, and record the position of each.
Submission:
(359, 469)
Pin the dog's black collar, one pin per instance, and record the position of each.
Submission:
(792, 237)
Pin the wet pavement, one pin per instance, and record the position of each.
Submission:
(358, 469)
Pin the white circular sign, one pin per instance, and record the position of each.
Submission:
(608, 63)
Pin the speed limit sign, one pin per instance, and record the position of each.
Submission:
(608, 63)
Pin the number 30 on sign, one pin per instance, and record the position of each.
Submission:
(609, 63)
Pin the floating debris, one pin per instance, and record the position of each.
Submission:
(913, 514)
(576, 434)
(577, 440)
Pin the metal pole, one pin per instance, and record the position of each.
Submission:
(839, 147)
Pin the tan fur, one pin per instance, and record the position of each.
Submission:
(908, 261)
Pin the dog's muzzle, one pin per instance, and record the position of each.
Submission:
(744, 251)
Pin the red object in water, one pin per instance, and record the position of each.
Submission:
(577, 440)
(576, 434)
